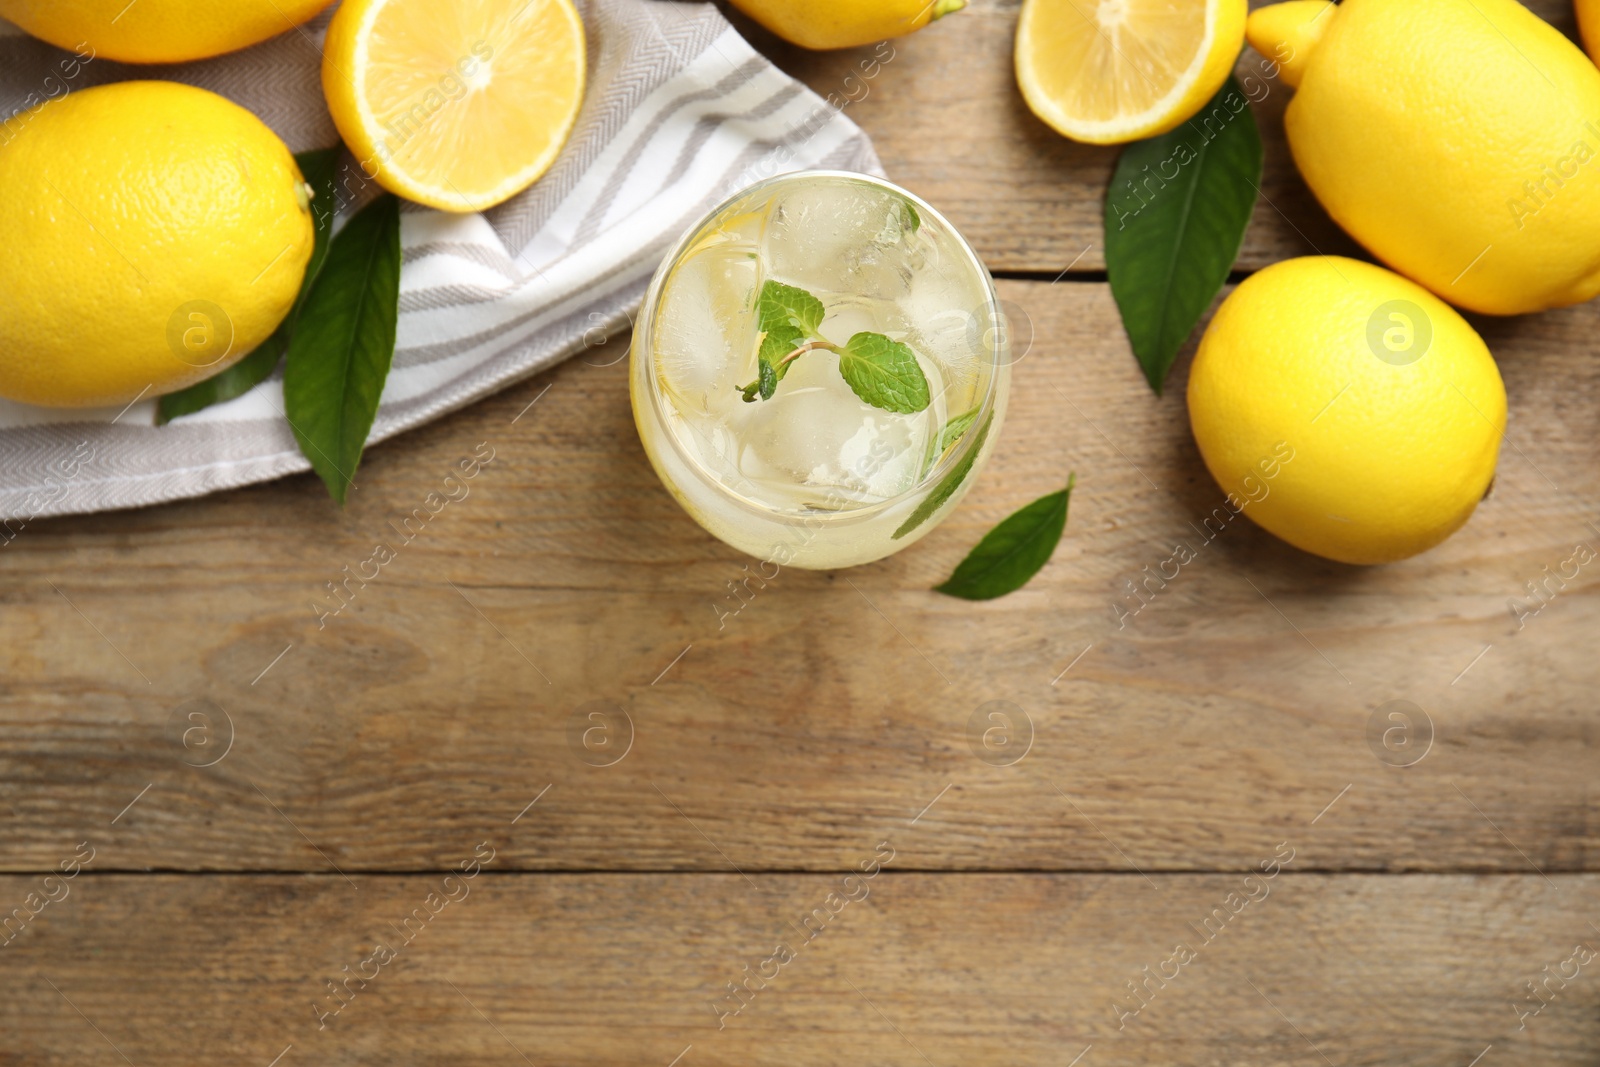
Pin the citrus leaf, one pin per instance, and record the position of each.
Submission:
(1176, 213)
(237, 380)
(884, 373)
(782, 305)
(947, 486)
(1013, 552)
(318, 167)
(340, 351)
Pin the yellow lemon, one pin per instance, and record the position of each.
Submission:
(824, 24)
(1459, 140)
(1588, 12)
(158, 31)
(1346, 410)
(155, 233)
(456, 105)
(1110, 71)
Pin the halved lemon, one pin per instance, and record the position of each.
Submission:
(456, 105)
(1110, 71)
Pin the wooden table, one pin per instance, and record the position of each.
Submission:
(543, 689)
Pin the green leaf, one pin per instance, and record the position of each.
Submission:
(318, 168)
(954, 429)
(237, 380)
(947, 486)
(768, 379)
(1176, 213)
(782, 306)
(1013, 552)
(778, 342)
(948, 436)
(912, 216)
(340, 351)
(884, 373)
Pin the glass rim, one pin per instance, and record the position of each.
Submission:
(644, 327)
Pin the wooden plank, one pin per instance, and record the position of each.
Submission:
(951, 125)
(1227, 714)
(631, 969)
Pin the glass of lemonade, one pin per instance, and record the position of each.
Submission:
(820, 369)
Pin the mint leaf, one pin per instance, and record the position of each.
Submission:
(947, 486)
(1013, 552)
(788, 318)
(1176, 213)
(778, 342)
(318, 168)
(953, 430)
(912, 216)
(948, 436)
(340, 351)
(782, 306)
(884, 373)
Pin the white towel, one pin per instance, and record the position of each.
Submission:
(680, 113)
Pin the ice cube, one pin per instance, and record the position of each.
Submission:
(817, 434)
(950, 321)
(843, 238)
(706, 326)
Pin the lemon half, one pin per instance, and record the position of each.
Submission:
(460, 105)
(1111, 71)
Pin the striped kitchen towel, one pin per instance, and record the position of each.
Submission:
(680, 112)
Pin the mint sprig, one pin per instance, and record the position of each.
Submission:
(882, 372)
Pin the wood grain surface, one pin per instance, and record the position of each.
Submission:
(1237, 703)
(675, 768)
(623, 970)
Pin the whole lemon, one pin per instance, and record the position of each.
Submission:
(158, 31)
(824, 24)
(154, 233)
(1588, 12)
(1458, 140)
(1346, 410)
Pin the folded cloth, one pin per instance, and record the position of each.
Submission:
(680, 113)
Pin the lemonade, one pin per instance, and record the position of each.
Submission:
(820, 369)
